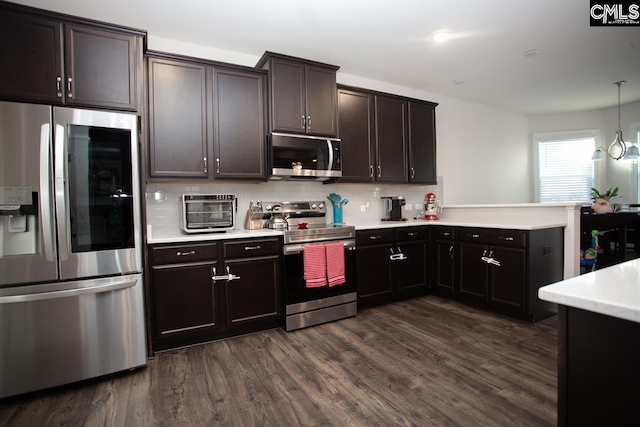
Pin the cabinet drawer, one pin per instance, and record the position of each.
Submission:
(251, 248)
(493, 237)
(412, 233)
(443, 233)
(184, 253)
(375, 237)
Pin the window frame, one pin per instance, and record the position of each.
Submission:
(562, 135)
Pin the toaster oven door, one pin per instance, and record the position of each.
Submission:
(205, 216)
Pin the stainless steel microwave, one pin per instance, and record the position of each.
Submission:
(207, 213)
(304, 157)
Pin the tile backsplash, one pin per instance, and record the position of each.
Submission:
(164, 208)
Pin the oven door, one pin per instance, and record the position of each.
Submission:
(310, 306)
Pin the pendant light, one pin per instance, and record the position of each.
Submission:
(625, 152)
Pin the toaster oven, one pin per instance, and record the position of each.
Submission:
(208, 213)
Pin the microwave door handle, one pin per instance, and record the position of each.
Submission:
(45, 191)
(60, 190)
(330, 147)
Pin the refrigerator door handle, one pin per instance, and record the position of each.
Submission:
(68, 292)
(45, 191)
(60, 189)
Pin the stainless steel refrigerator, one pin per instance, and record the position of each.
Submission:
(71, 300)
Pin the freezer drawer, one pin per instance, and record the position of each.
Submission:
(56, 334)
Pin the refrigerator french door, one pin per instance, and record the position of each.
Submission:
(71, 303)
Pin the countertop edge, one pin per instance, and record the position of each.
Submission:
(613, 291)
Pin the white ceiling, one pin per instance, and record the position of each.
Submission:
(389, 40)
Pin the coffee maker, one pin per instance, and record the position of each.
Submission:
(392, 208)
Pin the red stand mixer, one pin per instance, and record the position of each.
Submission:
(432, 207)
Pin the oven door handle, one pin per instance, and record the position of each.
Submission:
(299, 248)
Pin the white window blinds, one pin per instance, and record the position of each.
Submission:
(565, 169)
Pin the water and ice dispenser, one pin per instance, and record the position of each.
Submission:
(18, 221)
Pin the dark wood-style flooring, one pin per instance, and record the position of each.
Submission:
(421, 362)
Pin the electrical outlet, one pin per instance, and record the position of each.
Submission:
(363, 208)
(408, 207)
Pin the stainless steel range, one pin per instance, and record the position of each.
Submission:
(306, 227)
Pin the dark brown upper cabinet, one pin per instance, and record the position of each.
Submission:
(302, 95)
(391, 139)
(239, 123)
(386, 138)
(356, 118)
(60, 60)
(422, 143)
(178, 139)
(206, 120)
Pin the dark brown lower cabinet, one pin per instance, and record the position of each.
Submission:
(391, 264)
(443, 258)
(598, 370)
(205, 291)
(255, 295)
(503, 269)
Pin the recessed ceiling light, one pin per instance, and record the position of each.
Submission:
(530, 53)
(441, 36)
(458, 82)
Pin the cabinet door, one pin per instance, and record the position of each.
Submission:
(178, 138)
(101, 68)
(255, 296)
(391, 139)
(31, 54)
(185, 300)
(422, 143)
(508, 281)
(238, 127)
(287, 96)
(374, 272)
(412, 271)
(444, 268)
(355, 110)
(321, 101)
(473, 271)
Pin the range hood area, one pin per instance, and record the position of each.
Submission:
(302, 157)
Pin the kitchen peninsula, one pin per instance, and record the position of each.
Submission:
(598, 346)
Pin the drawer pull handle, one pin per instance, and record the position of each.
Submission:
(474, 236)
(185, 253)
(412, 234)
(446, 233)
(251, 248)
(508, 239)
(375, 237)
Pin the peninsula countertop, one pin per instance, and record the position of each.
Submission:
(612, 291)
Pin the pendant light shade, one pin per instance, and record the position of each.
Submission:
(618, 149)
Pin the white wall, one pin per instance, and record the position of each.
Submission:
(483, 153)
(609, 173)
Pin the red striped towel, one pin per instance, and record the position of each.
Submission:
(335, 264)
(315, 266)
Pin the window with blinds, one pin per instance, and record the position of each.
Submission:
(565, 169)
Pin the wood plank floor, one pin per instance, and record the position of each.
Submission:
(422, 362)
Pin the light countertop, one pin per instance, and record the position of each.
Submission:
(613, 291)
(157, 235)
